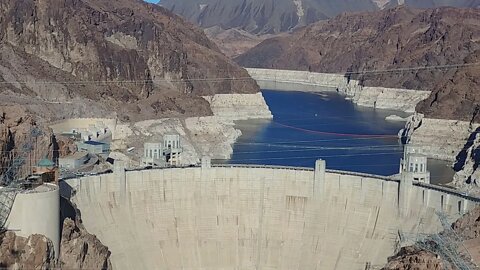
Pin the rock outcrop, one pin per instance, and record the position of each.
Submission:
(433, 3)
(199, 136)
(468, 226)
(34, 252)
(208, 135)
(78, 250)
(466, 229)
(377, 42)
(467, 176)
(439, 138)
(412, 257)
(81, 250)
(16, 127)
(239, 106)
(212, 136)
(451, 140)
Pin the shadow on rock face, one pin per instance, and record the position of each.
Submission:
(463, 155)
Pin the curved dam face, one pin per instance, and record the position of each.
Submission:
(253, 217)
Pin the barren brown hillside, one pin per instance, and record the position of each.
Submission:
(391, 39)
(99, 58)
(81, 47)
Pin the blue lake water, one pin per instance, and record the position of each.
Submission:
(310, 126)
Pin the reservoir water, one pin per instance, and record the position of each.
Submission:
(310, 126)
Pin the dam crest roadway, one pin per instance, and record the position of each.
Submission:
(256, 217)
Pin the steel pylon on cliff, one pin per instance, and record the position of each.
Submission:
(8, 179)
(448, 245)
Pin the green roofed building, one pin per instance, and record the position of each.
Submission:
(45, 163)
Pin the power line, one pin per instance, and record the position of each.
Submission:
(451, 66)
(335, 133)
(80, 82)
(308, 157)
(353, 121)
(222, 79)
(300, 146)
(322, 148)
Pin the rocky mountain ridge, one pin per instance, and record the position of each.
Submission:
(126, 60)
(268, 17)
(233, 42)
(131, 59)
(263, 16)
(399, 38)
(432, 3)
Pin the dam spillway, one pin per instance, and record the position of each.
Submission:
(254, 217)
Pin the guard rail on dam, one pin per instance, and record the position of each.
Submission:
(255, 217)
(359, 174)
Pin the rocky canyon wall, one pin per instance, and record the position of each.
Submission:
(396, 48)
(17, 127)
(439, 138)
(239, 106)
(374, 97)
(208, 135)
(78, 250)
(453, 140)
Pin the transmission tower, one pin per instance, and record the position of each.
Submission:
(448, 245)
(8, 179)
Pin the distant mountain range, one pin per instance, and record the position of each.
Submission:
(275, 16)
(233, 42)
(435, 3)
(263, 16)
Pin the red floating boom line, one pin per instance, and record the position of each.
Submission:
(336, 134)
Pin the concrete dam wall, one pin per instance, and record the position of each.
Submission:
(254, 217)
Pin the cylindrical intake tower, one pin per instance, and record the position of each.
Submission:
(37, 211)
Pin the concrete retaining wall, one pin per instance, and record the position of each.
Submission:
(253, 218)
(79, 123)
(324, 80)
(37, 212)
